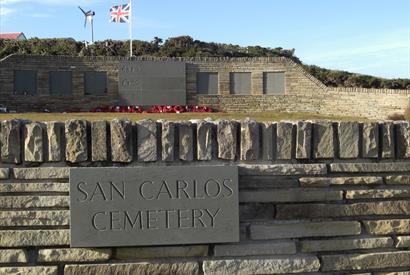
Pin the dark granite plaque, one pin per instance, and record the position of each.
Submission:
(152, 83)
(153, 205)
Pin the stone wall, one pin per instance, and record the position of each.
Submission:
(303, 92)
(352, 102)
(315, 197)
(45, 64)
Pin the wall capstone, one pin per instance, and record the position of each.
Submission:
(55, 134)
(206, 140)
(121, 140)
(249, 140)
(147, 143)
(10, 141)
(33, 142)
(76, 141)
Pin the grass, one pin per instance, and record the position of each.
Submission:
(262, 116)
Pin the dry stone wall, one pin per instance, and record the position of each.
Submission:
(43, 65)
(365, 103)
(315, 197)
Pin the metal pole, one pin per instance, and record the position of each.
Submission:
(92, 31)
(130, 26)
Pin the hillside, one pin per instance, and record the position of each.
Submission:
(186, 46)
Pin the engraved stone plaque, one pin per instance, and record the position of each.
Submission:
(153, 205)
(152, 83)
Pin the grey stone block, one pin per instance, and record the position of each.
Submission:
(41, 173)
(290, 195)
(249, 140)
(400, 180)
(30, 270)
(21, 238)
(13, 256)
(387, 129)
(272, 265)
(370, 145)
(303, 140)
(340, 244)
(76, 141)
(183, 268)
(403, 241)
(121, 140)
(186, 141)
(55, 136)
(281, 169)
(73, 255)
(206, 140)
(33, 142)
(304, 229)
(38, 187)
(370, 261)
(22, 202)
(168, 141)
(10, 141)
(370, 167)
(308, 211)
(35, 218)
(385, 227)
(377, 194)
(403, 140)
(147, 143)
(227, 139)
(323, 139)
(4, 173)
(130, 253)
(348, 139)
(255, 248)
(260, 182)
(284, 140)
(324, 181)
(268, 131)
(256, 211)
(390, 273)
(99, 150)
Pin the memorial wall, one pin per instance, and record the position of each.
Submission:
(63, 83)
(204, 197)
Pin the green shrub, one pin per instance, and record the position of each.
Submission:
(186, 46)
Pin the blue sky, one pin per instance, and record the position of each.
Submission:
(363, 36)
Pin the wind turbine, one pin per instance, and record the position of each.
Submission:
(89, 15)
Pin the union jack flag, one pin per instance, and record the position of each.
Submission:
(120, 13)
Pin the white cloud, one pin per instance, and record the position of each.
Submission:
(5, 11)
(41, 15)
(48, 2)
(387, 54)
(8, 7)
(372, 50)
(364, 45)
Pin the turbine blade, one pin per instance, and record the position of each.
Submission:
(81, 9)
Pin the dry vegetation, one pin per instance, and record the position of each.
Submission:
(401, 116)
(265, 116)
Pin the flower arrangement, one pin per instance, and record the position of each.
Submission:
(154, 109)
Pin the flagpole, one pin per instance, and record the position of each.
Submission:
(130, 26)
(92, 31)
